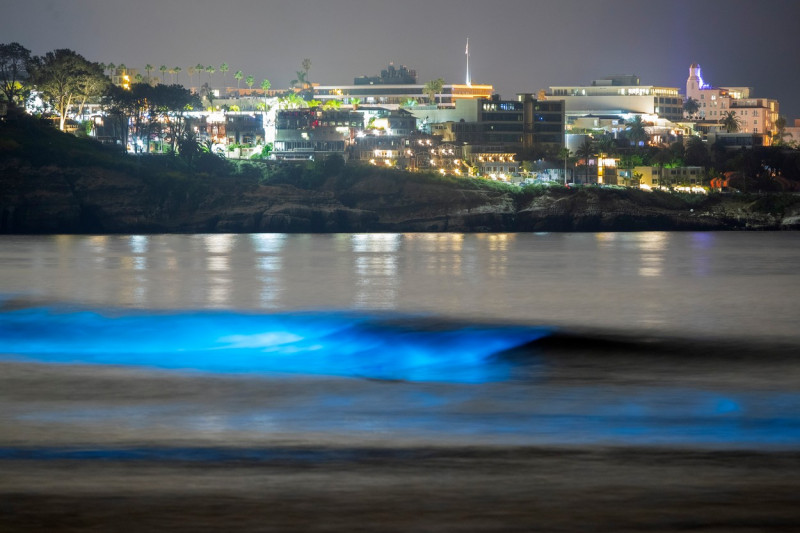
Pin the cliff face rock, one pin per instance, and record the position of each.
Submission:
(95, 200)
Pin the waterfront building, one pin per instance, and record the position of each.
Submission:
(666, 177)
(756, 115)
(500, 126)
(305, 134)
(619, 96)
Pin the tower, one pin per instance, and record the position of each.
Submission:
(695, 82)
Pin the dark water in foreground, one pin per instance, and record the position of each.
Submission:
(607, 382)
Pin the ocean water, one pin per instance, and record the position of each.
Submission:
(621, 338)
(400, 382)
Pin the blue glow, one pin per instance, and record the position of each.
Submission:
(339, 344)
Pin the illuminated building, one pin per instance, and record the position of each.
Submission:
(312, 133)
(393, 96)
(494, 125)
(756, 115)
(619, 95)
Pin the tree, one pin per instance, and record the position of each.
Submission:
(586, 151)
(265, 85)
(163, 69)
(636, 132)
(138, 78)
(224, 69)
(780, 131)
(111, 67)
(64, 76)
(199, 69)
(564, 153)
(207, 94)
(432, 88)
(148, 68)
(730, 121)
(14, 60)
(250, 80)
(238, 75)
(123, 68)
(691, 106)
(177, 71)
(210, 70)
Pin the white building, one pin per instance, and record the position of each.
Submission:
(618, 96)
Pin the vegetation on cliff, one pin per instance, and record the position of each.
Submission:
(52, 182)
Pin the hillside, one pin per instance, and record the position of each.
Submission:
(56, 183)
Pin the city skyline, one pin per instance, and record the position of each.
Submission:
(516, 46)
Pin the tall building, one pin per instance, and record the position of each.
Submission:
(756, 115)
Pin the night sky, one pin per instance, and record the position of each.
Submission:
(516, 45)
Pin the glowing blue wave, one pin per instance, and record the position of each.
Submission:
(314, 343)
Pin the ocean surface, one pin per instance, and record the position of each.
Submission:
(646, 356)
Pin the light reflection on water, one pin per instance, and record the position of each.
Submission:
(696, 282)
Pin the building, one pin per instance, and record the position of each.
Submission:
(392, 96)
(756, 115)
(619, 95)
(665, 177)
(500, 126)
(313, 133)
(390, 76)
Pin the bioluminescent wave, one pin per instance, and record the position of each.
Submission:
(334, 344)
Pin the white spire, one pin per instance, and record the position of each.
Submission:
(469, 81)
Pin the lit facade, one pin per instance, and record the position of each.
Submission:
(394, 96)
(312, 133)
(619, 95)
(756, 115)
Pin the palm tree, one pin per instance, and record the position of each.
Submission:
(123, 68)
(636, 131)
(306, 64)
(177, 71)
(730, 122)
(190, 71)
(163, 69)
(138, 78)
(586, 151)
(780, 131)
(199, 68)
(250, 80)
(432, 88)
(691, 106)
(224, 69)
(565, 154)
(111, 68)
(265, 85)
(210, 70)
(148, 68)
(238, 75)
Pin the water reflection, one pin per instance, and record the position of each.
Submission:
(375, 267)
(269, 263)
(652, 246)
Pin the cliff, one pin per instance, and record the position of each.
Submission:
(49, 188)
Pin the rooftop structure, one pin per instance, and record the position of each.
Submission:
(389, 76)
(394, 95)
(619, 95)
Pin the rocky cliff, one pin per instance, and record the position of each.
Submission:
(52, 199)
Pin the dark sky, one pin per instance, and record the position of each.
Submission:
(516, 45)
